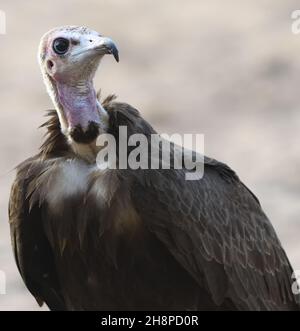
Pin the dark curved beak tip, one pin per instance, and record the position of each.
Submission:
(112, 49)
(116, 56)
(115, 53)
(109, 47)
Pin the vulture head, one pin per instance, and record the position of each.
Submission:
(69, 57)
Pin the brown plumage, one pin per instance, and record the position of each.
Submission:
(156, 241)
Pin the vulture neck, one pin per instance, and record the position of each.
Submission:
(77, 103)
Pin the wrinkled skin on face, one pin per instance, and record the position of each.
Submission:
(79, 62)
(69, 78)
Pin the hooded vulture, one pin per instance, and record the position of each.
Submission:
(87, 238)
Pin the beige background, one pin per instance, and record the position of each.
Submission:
(228, 69)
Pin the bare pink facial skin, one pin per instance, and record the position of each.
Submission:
(79, 104)
(69, 76)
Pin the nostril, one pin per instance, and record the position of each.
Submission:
(50, 64)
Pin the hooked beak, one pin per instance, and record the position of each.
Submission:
(106, 46)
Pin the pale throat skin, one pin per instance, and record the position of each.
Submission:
(79, 103)
(69, 81)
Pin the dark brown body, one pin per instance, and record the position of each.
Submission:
(144, 239)
(141, 276)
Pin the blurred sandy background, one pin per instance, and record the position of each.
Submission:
(228, 69)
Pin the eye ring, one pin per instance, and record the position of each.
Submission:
(61, 45)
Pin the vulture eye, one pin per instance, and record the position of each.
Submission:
(61, 45)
